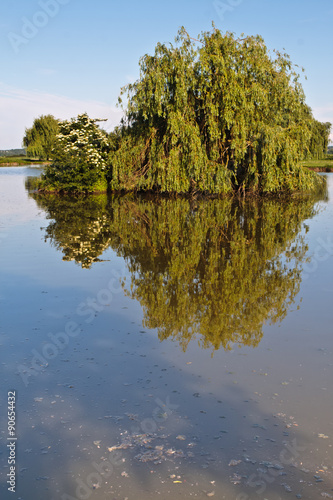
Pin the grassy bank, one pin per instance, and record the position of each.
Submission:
(13, 161)
(324, 165)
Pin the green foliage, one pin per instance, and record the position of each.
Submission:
(323, 165)
(79, 157)
(319, 140)
(12, 152)
(214, 117)
(16, 160)
(211, 270)
(40, 138)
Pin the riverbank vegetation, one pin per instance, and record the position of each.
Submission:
(216, 115)
(323, 165)
(8, 161)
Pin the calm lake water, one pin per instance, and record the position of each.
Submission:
(166, 349)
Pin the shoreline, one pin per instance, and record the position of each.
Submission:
(21, 162)
(321, 169)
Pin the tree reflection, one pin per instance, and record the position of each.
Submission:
(212, 270)
(80, 227)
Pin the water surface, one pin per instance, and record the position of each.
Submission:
(167, 349)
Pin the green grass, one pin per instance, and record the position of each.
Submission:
(325, 164)
(18, 160)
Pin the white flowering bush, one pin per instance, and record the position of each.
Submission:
(79, 157)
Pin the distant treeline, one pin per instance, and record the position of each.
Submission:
(12, 152)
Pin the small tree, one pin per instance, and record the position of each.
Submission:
(40, 138)
(79, 157)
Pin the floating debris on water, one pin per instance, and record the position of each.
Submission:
(175, 453)
(132, 416)
(287, 487)
(150, 456)
(270, 465)
(236, 478)
(259, 426)
(233, 463)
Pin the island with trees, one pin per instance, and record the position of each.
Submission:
(215, 115)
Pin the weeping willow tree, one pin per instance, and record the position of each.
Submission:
(210, 270)
(213, 115)
(39, 140)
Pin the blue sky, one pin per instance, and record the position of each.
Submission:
(65, 57)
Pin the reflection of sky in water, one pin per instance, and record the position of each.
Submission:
(14, 206)
(321, 227)
(22, 245)
(245, 399)
(318, 273)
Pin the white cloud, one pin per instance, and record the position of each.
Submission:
(20, 107)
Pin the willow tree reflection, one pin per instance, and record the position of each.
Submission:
(213, 270)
